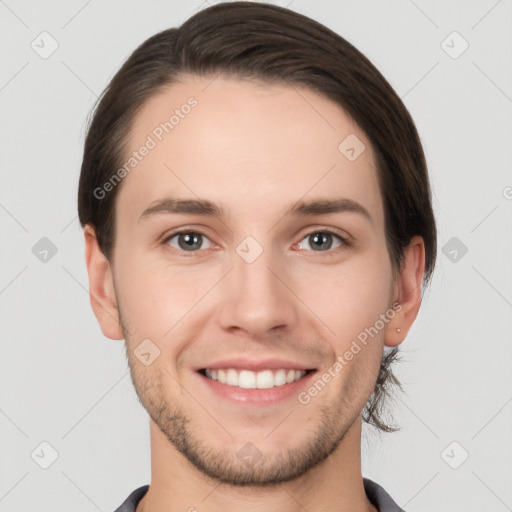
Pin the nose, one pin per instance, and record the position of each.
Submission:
(257, 298)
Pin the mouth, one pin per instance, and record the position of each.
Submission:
(258, 387)
(249, 379)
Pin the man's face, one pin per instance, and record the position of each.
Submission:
(253, 293)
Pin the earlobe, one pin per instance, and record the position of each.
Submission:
(101, 287)
(407, 292)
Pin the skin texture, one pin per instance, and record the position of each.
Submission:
(255, 150)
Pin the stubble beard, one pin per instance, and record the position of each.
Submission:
(224, 465)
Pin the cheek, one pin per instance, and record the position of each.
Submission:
(155, 300)
(352, 296)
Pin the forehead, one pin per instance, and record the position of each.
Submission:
(238, 142)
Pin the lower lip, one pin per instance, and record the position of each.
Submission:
(258, 396)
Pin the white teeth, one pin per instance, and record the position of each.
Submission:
(265, 379)
(280, 378)
(232, 377)
(246, 379)
(255, 380)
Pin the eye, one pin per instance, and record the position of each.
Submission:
(322, 240)
(189, 241)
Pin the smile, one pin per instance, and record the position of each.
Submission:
(249, 379)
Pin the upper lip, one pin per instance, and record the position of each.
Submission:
(242, 363)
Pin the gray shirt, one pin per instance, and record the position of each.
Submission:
(376, 494)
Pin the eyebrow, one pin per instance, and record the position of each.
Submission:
(301, 208)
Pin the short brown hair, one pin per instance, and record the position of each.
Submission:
(250, 40)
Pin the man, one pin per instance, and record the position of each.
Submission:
(258, 228)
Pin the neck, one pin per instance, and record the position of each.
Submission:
(334, 484)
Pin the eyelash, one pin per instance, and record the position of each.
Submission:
(346, 242)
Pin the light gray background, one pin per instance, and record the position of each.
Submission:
(62, 382)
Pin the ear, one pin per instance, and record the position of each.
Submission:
(407, 292)
(101, 287)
